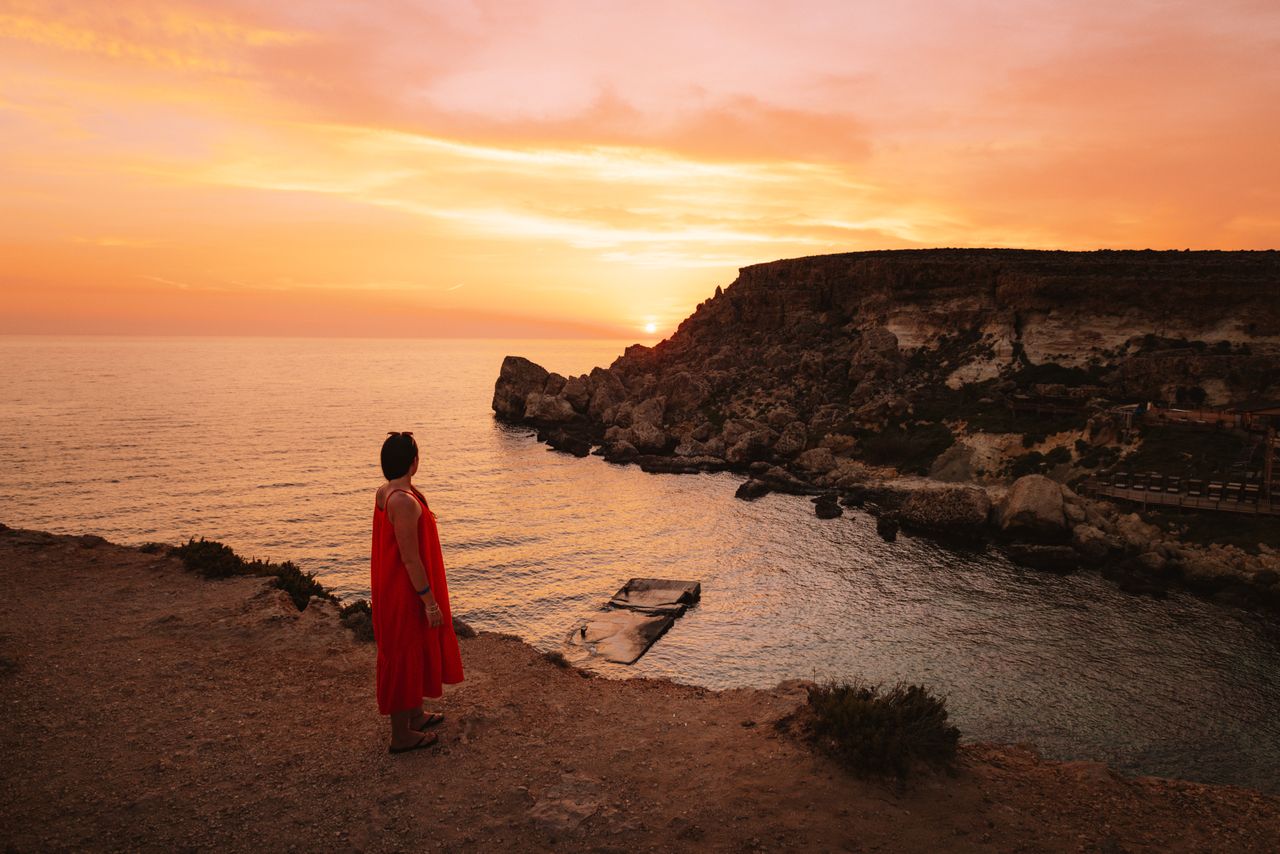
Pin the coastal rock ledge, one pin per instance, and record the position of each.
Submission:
(221, 718)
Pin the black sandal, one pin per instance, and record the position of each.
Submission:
(427, 740)
(432, 719)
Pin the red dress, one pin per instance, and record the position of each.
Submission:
(414, 660)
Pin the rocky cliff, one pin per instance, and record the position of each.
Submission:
(833, 375)
(885, 357)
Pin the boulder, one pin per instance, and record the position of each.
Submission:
(817, 460)
(516, 380)
(887, 528)
(662, 463)
(736, 428)
(703, 431)
(547, 409)
(606, 391)
(827, 507)
(781, 480)
(555, 384)
(954, 511)
(1092, 543)
(684, 392)
(690, 448)
(1136, 534)
(848, 474)
(648, 437)
(792, 441)
(577, 390)
(781, 417)
(954, 465)
(649, 411)
(562, 440)
(620, 451)
(755, 445)
(1151, 561)
(1033, 509)
(752, 489)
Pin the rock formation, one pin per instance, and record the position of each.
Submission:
(894, 358)
(827, 374)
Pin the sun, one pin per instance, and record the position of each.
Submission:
(651, 328)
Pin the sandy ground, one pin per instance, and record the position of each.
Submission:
(146, 708)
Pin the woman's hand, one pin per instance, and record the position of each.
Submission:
(435, 617)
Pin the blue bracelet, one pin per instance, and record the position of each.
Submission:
(425, 590)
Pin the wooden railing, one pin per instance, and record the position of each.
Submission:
(1233, 496)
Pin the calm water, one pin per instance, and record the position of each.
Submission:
(271, 446)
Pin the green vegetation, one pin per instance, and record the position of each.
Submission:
(983, 409)
(215, 560)
(911, 450)
(877, 732)
(1092, 456)
(1051, 373)
(1155, 343)
(358, 617)
(557, 658)
(1038, 463)
(1187, 452)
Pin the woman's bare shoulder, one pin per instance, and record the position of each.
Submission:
(403, 502)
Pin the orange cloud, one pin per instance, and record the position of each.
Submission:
(240, 166)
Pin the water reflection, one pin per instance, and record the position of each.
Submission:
(271, 446)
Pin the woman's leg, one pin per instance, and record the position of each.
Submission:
(423, 718)
(402, 734)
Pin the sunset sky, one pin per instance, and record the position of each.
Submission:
(588, 168)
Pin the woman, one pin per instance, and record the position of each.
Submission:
(417, 649)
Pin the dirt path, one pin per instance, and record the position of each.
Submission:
(146, 708)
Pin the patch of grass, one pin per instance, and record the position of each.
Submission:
(213, 559)
(911, 450)
(878, 732)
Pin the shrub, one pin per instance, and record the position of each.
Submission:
(358, 617)
(212, 559)
(557, 658)
(1051, 373)
(911, 450)
(875, 732)
(300, 586)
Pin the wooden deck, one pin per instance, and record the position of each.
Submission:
(1225, 497)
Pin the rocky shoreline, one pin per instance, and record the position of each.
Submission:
(150, 709)
(893, 381)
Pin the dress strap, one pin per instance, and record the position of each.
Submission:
(387, 499)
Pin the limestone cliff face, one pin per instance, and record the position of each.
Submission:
(1062, 307)
(814, 352)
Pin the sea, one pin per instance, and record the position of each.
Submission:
(271, 446)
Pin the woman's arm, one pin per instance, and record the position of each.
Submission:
(404, 520)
